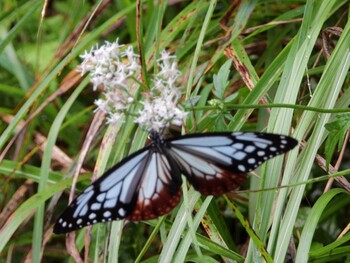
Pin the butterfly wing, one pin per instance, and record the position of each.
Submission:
(141, 187)
(216, 163)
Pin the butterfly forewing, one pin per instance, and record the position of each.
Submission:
(216, 163)
(113, 196)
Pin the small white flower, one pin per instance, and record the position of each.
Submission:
(113, 67)
(162, 109)
(130, 100)
(104, 105)
(113, 118)
(165, 58)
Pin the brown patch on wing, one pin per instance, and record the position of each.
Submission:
(227, 182)
(160, 204)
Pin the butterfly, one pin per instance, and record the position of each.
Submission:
(147, 184)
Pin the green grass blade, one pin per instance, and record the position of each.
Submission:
(311, 224)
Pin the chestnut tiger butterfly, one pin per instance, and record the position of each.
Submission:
(146, 184)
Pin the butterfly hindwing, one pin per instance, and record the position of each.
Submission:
(216, 163)
(159, 191)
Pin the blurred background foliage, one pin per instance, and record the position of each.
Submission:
(290, 52)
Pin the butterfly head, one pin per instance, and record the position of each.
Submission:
(156, 137)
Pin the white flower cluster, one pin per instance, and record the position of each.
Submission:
(161, 109)
(115, 67)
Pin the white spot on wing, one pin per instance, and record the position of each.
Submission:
(241, 168)
(121, 212)
(95, 206)
(110, 203)
(249, 149)
(107, 214)
(101, 197)
(260, 145)
(239, 156)
(261, 153)
(251, 160)
(238, 145)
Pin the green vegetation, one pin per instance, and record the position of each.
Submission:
(293, 56)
